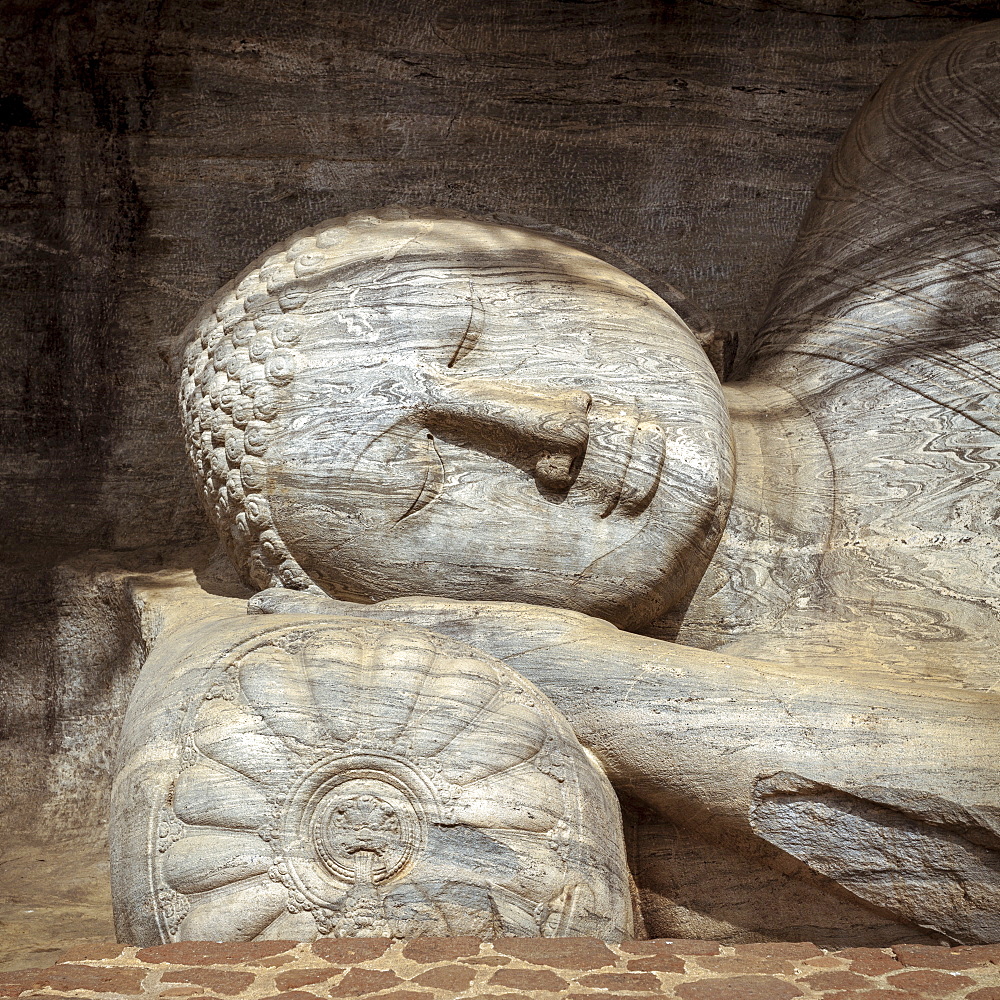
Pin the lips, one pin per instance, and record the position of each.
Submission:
(623, 463)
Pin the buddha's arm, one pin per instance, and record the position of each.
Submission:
(674, 724)
(872, 781)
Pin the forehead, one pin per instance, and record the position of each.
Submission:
(570, 306)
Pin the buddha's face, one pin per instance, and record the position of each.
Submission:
(500, 419)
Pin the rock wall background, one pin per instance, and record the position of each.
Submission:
(153, 148)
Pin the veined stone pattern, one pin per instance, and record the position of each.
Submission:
(363, 415)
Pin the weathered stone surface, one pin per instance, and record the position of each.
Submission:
(664, 108)
(872, 961)
(952, 958)
(564, 477)
(529, 979)
(836, 981)
(215, 953)
(444, 441)
(850, 578)
(407, 995)
(125, 188)
(357, 982)
(226, 981)
(779, 949)
(672, 946)
(735, 964)
(824, 962)
(890, 994)
(930, 981)
(293, 979)
(69, 977)
(432, 949)
(66, 996)
(498, 996)
(664, 962)
(293, 995)
(614, 996)
(632, 981)
(350, 951)
(91, 953)
(446, 977)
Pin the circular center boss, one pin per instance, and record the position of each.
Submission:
(351, 819)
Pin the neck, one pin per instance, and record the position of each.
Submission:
(778, 529)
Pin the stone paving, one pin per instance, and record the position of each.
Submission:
(512, 968)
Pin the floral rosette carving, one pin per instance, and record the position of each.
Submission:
(359, 779)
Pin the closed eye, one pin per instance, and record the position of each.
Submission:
(433, 483)
(473, 328)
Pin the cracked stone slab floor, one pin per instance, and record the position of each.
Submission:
(512, 968)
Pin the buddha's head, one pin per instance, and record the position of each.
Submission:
(398, 404)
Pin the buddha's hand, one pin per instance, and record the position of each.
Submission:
(280, 601)
(502, 629)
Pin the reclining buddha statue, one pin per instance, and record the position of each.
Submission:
(554, 632)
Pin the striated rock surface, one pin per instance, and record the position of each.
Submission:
(399, 404)
(427, 408)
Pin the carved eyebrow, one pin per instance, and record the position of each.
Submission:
(473, 328)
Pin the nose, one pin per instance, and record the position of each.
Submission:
(542, 428)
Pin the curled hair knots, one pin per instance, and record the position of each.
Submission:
(240, 356)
